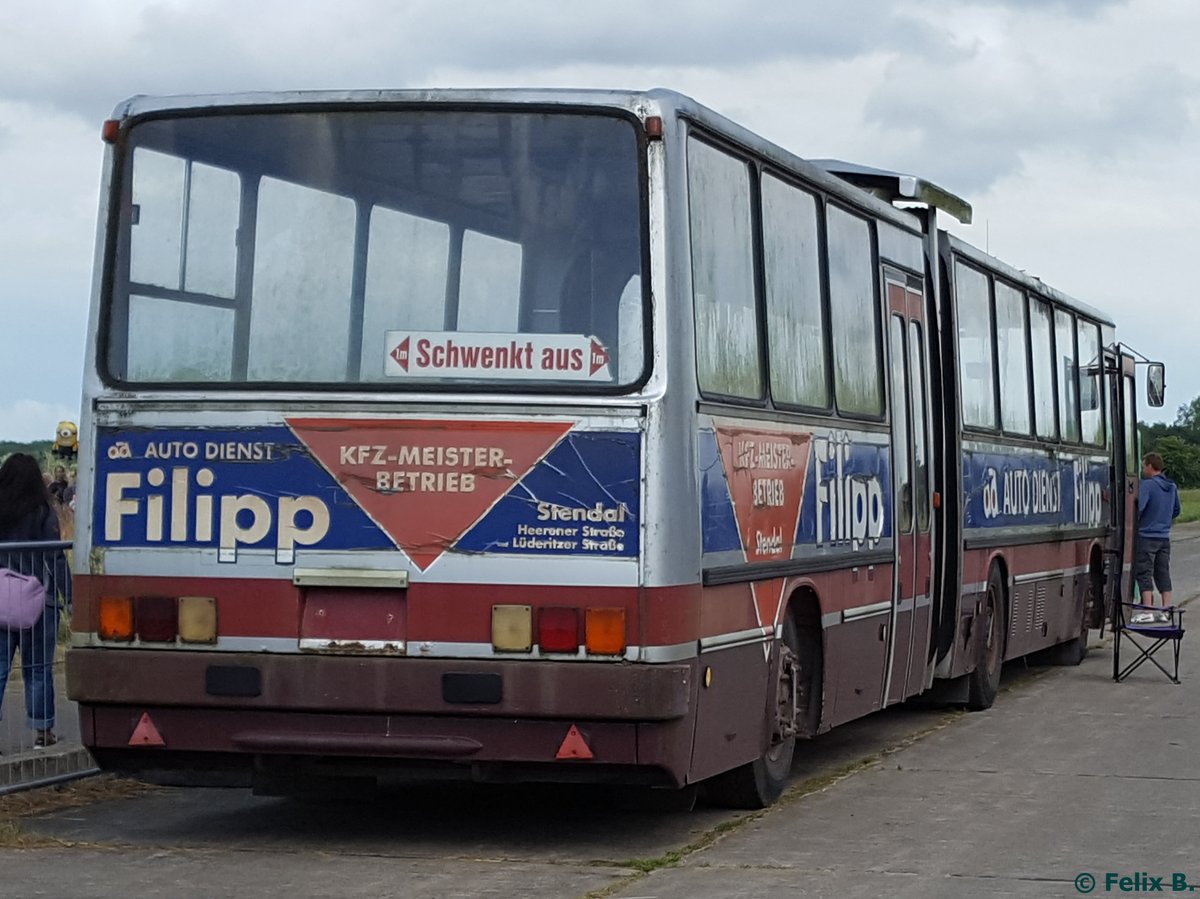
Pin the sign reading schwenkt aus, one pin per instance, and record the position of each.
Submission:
(439, 354)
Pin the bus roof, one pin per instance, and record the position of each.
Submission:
(657, 101)
(1023, 279)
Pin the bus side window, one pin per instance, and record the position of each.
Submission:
(1042, 348)
(975, 371)
(407, 265)
(184, 223)
(796, 325)
(1068, 400)
(853, 314)
(489, 296)
(185, 219)
(728, 341)
(1012, 350)
(1091, 367)
(630, 351)
(303, 268)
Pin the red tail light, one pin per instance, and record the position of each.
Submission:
(156, 618)
(558, 630)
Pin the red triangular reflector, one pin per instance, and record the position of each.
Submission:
(574, 746)
(146, 734)
(427, 482)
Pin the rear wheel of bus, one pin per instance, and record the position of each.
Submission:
(795, 710)
(984, 682)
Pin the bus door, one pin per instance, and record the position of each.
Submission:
(1126, 473)
(911, 610)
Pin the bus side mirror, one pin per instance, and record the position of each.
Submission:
(1156, 384)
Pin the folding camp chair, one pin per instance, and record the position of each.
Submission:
(1147, 637)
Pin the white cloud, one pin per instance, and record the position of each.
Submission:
(1070, 125)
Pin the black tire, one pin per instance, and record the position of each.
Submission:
(759, 783)
(990, 631)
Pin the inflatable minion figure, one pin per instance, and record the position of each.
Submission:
(66, 441)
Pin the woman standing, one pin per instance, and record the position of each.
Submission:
(26, 515)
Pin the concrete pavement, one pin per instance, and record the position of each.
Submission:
(1069, 776)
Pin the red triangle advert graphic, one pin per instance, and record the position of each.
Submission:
(768, 599)
(766, 470)
(426, 482)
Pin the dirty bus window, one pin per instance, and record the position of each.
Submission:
(404, 249)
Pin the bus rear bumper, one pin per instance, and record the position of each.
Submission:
(373, 684)
(152, 713)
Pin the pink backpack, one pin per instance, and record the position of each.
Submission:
(22, 598)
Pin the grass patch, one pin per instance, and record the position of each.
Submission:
(75, 794)
(1189, 501)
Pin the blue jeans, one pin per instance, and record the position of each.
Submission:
(37, 645)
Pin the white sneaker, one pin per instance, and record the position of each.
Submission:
(1142, 618)
(1162, 617)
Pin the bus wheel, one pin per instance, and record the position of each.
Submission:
(759, 783)
(984, 682)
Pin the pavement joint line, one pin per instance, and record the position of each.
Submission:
(887, 872)
(1024, 878)
(1025, 772)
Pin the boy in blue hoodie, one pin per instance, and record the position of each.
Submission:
(1158, 507)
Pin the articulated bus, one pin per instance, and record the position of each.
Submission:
(575, 436)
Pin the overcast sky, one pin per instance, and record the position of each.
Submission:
(1070, 125)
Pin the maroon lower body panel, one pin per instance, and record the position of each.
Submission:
(148, 711)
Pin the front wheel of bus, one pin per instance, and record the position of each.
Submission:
(984, 682)
(759, 783)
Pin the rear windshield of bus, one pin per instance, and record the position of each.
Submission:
(404, 249)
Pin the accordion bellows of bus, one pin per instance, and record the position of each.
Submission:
(560, 435)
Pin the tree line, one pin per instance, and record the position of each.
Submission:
(39, 449)
(1178, 444)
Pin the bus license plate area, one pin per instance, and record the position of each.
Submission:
(353, 620)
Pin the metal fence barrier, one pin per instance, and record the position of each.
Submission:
(39, 726)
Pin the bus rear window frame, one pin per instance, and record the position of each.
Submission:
(119, 194)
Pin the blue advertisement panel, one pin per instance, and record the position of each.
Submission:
(525, 488)
(849, 505)
(1005, 488)
(249, 488)
(583, 499)
(843, 496)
